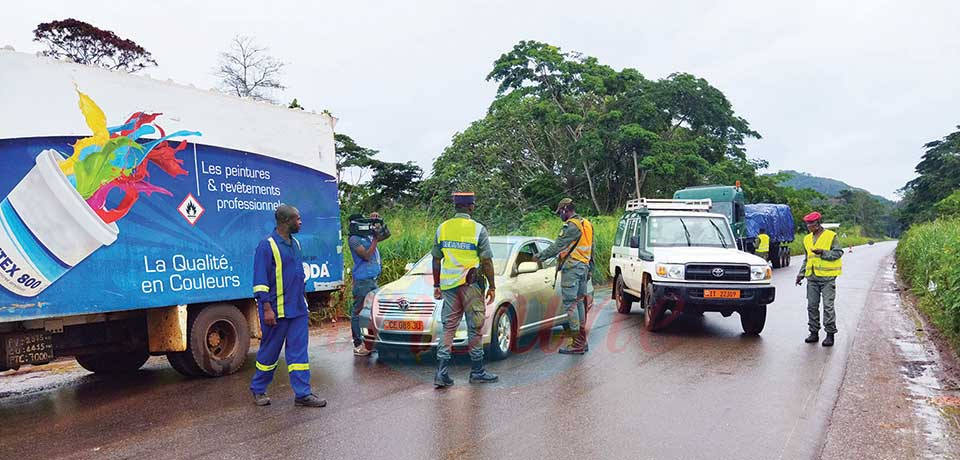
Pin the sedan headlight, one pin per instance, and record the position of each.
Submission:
(760, 272)
(671, 271)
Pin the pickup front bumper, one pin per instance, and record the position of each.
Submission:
(690, 296)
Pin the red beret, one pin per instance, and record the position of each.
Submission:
(812, 217)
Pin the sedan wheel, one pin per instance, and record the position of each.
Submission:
(501, 341)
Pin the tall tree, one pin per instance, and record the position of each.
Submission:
(77, 41)
(937, 178)
(563, 123)
(248, 70)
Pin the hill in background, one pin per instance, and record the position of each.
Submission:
(825, 185)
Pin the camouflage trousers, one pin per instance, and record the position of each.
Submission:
(821, 288)
(573, 290)
(464, 300)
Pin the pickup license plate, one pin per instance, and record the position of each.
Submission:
(28, 348)
(721, 294)
(402, 325)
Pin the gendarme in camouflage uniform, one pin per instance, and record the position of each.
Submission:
(821, 267)
(575, 248)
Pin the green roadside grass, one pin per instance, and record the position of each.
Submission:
(849, 236)
(927, 262)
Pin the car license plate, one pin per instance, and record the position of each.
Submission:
(721, 294)
(28, 348)
(402, 325)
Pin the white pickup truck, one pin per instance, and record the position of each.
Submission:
(675, 256)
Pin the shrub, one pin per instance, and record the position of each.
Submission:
(927, 262)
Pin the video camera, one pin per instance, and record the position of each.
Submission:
(365, 226)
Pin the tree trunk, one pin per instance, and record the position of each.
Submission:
(636, 173)
(593, 194)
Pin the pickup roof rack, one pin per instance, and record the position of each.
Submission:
(669, 205)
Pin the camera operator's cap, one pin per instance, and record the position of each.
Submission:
(564, 203)
(812, 217)
(464, 198)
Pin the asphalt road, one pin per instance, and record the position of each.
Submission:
(699, 389)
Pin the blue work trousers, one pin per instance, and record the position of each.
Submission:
(294, 332)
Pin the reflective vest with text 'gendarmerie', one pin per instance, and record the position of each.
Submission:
(458, 239)
(815, 264)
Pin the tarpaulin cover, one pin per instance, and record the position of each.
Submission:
(775, 218)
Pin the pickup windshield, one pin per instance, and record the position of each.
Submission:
(672, 231)
(501, 251)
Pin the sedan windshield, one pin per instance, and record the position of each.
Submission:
(501, 252)
(674, 231)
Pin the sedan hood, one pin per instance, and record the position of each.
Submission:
(697, 255)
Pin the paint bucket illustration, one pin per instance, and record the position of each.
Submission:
(46, 228)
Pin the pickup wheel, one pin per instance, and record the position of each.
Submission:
(218, 340)
(113, 362)
(624, 300)
(753, 319)
(652, 313)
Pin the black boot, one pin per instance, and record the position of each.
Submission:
(442, 378)
(828, 342)
(813, 337)
(479, 375)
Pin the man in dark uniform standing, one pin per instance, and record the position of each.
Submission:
(461, 249)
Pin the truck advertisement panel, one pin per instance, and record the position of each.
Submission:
(122, 192)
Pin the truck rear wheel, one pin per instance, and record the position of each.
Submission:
(776, 255)
(753, 319)
(218, 340)
(113, 362)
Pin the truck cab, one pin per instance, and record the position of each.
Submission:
(676, 256)
(726, 200)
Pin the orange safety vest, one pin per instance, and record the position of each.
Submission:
(582, 251)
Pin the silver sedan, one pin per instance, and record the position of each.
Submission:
(404, 316)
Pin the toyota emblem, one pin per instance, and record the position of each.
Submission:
(717, 272)
(403, 304)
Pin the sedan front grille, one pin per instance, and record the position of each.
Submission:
(394, 307)
(725, 272)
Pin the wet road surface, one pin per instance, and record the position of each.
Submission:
(699, 389)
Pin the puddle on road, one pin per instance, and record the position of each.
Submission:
(920, 368)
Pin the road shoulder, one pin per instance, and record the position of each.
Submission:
(896, 401)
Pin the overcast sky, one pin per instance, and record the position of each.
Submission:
(843, 89)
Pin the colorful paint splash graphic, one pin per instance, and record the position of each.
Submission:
(113, 158)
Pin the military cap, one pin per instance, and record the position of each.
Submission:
(463, 197)
(812, 217)
(564, 203)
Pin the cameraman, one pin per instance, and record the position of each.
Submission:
(366, 268)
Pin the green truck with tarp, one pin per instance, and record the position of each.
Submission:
(746, 220)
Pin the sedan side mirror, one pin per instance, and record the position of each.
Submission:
(527, 267)
(635, 242)
(408, 267)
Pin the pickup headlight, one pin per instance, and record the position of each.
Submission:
(671, 271)
(760, 272)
